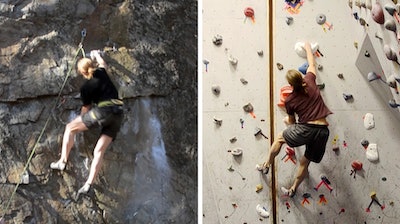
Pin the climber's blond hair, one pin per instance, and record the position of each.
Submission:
(86, 67)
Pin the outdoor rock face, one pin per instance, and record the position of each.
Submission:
(149, 174)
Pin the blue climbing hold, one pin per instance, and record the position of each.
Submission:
(303, 68)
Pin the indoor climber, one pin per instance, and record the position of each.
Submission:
(311, 127)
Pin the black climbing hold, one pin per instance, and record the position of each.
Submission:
(217, 40)
(364, 143)
(216, 90)
(347, 97)
(289, 20)
(321, 19)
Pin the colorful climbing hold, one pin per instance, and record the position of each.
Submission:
(259, 187)
(306, 196)
(322, 199)
(357, 166)
(249, 13)
(365, 143)
(205, 62)
(293, 6)
(249, 109)
(377, 13)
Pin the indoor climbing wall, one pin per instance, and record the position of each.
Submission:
(235, 111)
(358, 72)
(357, 181)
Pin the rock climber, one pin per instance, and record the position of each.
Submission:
(311, 127)
(101, 108)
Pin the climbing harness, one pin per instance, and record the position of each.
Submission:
(80, 49)
(112, 102)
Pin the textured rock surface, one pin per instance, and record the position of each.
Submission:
(150, 172)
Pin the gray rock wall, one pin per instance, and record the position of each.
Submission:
(150, 172)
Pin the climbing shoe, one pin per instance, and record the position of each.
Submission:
(84, 190)
(261, 168)
(288, 192)
(58, 165)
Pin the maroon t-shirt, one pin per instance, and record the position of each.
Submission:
(310, 106)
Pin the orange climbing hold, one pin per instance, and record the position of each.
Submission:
(284, 93)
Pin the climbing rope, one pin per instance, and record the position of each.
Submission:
(80, 49)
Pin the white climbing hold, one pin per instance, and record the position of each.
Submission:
(368, 4)
(218, 121)
(372, 152)
(262, 211)
(232, 60)
(237, 152)
(369, 121)
(25, 177)
(358, 3)
(299, 49)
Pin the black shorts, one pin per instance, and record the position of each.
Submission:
(108, 118)
(314, 137)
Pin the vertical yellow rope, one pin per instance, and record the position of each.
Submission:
(270, 29)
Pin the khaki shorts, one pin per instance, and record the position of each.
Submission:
(314, 137)
(109, 119)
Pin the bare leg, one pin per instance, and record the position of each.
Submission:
(98, 153)
(274, 151)
(71, 129)
(302, 172)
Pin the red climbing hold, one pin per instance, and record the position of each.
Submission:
(249, 12)
(357, 165)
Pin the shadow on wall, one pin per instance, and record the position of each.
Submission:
(371, 63)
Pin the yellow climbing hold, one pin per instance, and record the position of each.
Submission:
(259, 187)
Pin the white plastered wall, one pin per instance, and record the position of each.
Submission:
(350, 197)
(230, 196)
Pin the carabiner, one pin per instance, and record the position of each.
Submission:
(83, 32)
